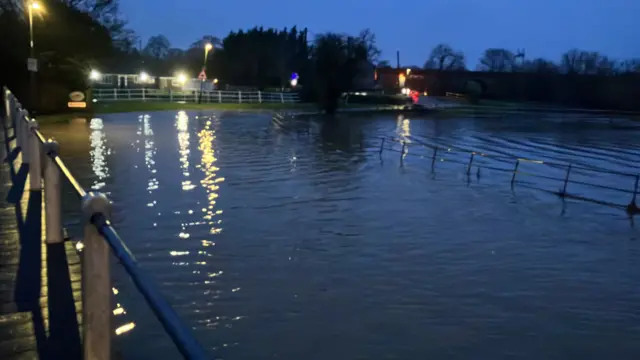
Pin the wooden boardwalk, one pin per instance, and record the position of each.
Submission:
(40, 285)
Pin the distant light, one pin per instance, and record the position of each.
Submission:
(215, 81)
(182, 78)
(95, 75)
(294, 82)
(144, 77)
(294, 76)
(408, 71)
(35, 5)
(208, 47)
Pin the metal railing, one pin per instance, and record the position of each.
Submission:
(46, 167)
(215, 96)
(477, 159)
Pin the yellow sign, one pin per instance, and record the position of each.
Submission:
(77, 104)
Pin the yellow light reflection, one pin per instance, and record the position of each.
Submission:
(125, 328)
(207, 164)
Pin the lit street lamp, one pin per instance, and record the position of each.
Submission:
(32, 63)
(208, 47)
(94, 75)
(144, 77)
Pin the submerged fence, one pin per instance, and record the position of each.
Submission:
(563, 175)
(215, 96)
(46, 169)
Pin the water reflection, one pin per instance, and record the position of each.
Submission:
(98, 153)
(210, 181)
(182, 124)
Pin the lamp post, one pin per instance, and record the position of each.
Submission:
(208, 47)
(32, 62)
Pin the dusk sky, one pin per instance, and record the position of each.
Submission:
(544, 28)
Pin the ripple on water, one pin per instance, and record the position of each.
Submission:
(298, 240)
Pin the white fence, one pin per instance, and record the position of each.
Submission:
(215, 96)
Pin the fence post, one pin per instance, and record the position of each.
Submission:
(35, 171)
(282, 97)
(635, 193)
(433, 158)
(381, 148)
(208, 96)
(515, 171)
(470, 162)
(143, 97)
(115, 94)
(17, 128)
(52, 190)
(129, 92)
(24, 131)
(239, 96)
(96, 280)
(219, 96)
(259, 97)
(566, 181)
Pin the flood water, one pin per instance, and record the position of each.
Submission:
(297, 240)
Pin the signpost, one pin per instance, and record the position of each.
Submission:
(202, 77)
(32, 64)
(77, 100)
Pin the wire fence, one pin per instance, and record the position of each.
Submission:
(581, 182)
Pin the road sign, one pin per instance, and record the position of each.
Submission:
(32, 64)
(202, 76)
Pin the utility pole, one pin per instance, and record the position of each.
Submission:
(398, 59)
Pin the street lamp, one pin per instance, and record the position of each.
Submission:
(32, 63)
(94, 75)
(144, 77)
(203, 77)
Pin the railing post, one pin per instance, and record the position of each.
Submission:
(17, 129)
(219, 96)
(115, 94)
(433, 158)
(470, 162)
(208, 96)
(96, 280)
(515, 171)
(129, 92)
(566, 181)
(381, 148)
(282, 97)
(143, 95)
(239, 97)
(24, 133)
(259, 97)
(35, 169)
(52, 192)
(635, 191)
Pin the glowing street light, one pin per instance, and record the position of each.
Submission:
(95, 75)
(32, 63)
(182, 78)
(215, 81)
(144, 77)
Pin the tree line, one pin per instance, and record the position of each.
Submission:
(74, 36)
(575, 61)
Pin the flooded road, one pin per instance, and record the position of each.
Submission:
(298, 240)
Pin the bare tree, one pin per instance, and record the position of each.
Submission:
(540, 65)
(629, 66)
(158, 47)
(207, 39)
(497, 60)
(368, 38)
(443, 57)
(583, 62)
